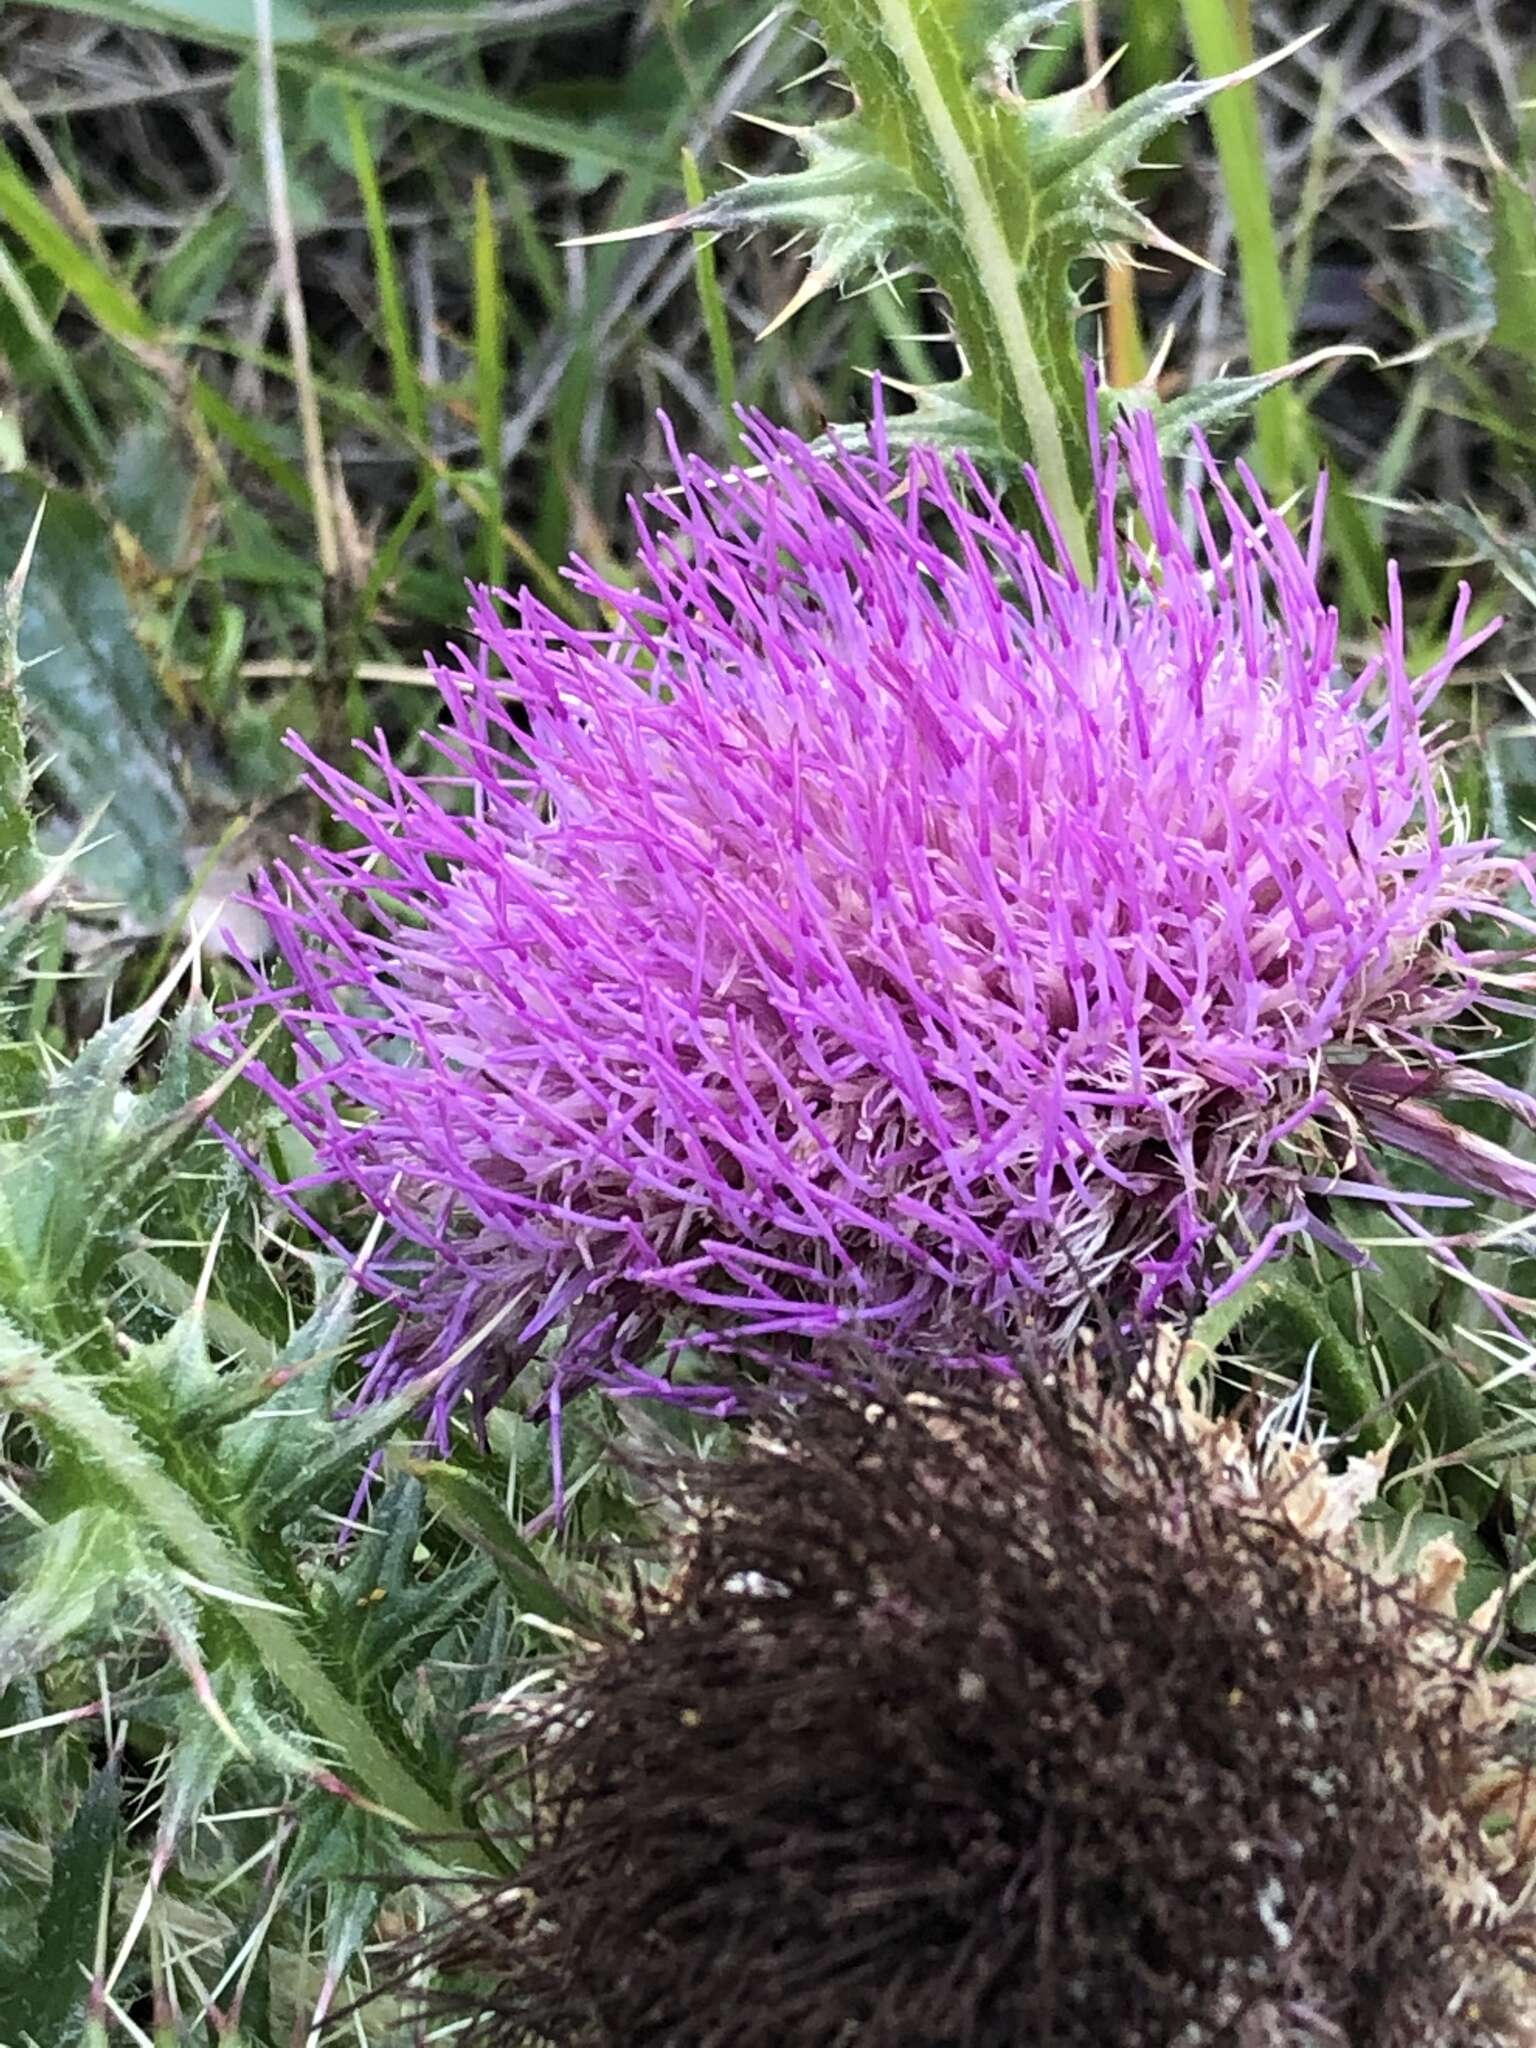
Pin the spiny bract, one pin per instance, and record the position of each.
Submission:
(874, 935)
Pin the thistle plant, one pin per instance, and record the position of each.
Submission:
(1017, 1715)
(880, 940)
(1000, 201)
(955, 892)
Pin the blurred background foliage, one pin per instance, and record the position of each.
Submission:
(213, 1712)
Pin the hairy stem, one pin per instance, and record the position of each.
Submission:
(100, 1439)
(995, 270)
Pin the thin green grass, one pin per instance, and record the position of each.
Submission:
(490, 376)
(1222, 38)
(717, 324)
(405, 377)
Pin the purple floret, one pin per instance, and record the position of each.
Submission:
(877, 941)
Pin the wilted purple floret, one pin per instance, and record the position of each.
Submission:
(878, 937)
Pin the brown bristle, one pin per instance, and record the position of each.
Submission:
(997, 1721)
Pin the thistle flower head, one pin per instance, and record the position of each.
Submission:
(1016, 1716)
(874, 935)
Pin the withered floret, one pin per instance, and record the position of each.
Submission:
(997, 1719)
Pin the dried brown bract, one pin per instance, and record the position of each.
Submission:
(991, 1719)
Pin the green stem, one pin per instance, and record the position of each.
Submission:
(996, 273)
(712, 305)
(100, 1439)
(1223, 43)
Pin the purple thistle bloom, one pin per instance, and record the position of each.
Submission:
(879, 938)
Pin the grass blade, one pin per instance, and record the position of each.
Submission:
(490, 375)
(14, 286)
(114, 309)
(1223, 44)
(712, 304)
(404, 375)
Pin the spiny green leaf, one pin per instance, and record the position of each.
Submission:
(68, 1412)
(1345, 1387)
(18, 849)
(996, 32)
(176, 1372)
(378, 1609)
(299, 1372)
(845, 189)
(37, 2011)
(105, 722)
(956, 144)
(200, 1756)
(70, 1181)
(1070, 138)
(475, 1513)
(73, 1574)
(338, 1848)
(948, 416)
(945, 167)
(288, 1453)
(1215, 403)
(989, 36)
